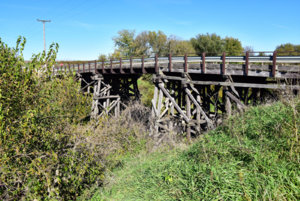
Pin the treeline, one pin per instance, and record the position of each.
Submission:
(147, 43)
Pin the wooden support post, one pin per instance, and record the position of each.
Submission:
(159, 104)
(230, 95)
(203, 63)
(69, 66)
(228, 105)
(154, 110)
(246, 63)
(198, 115)
(273, 73)
(161, 86)
(223, 63)
(78, 68)
(89, 67)
(209, 122)
(188, 114)
(83, 68)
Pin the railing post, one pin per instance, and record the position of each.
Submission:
(223, 63)
(156, 65)
(89, 67)
(131, 67)
(143, 65)
(203, 63)
(247, 63)
(83, 68)
(69, 65)
(95, 70)
(111, 67)
(274, 64)
(121, 70)
(78, 70)
(103, 69)
(185, 63)
(170, 62)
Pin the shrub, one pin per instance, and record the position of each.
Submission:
(40, 157)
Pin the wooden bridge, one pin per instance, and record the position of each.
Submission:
(190, 92)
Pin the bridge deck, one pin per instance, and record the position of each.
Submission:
(256, 66)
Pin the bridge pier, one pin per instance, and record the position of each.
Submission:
(111, 93)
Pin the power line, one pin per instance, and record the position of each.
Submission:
(44, 22)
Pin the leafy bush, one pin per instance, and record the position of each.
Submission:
(40, 157)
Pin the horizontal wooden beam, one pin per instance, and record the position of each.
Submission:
(235, 84)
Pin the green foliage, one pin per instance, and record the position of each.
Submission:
(146, 88)
(233, 47)
(102, 57)
(158, 42)
(180, 47)
(125, 42)
(212, 44)
(252, 157)
(288, 49)
(40, 157)
(148, 42)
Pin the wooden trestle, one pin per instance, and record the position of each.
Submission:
(190, 95)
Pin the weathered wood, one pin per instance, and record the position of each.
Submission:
(188, 114)
(161, 86)
(209, 122)
(235, 84)
(235, 99)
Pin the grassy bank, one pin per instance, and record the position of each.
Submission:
(252, 157)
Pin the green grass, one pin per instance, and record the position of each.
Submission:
(251, 157)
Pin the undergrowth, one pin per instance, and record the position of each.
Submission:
(39, 156)
(254, 156)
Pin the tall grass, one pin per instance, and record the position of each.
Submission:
(251, 157)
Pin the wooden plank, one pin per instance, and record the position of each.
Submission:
(236, 84)
(106, 97)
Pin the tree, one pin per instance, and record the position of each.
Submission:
(142, 46)
(102, 57)
(211, 44)
(125, 42)
(249, 49)
(288, 49)
(158, 42)
(180, 47)
(233, 47)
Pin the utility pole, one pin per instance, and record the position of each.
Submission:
(44, 22)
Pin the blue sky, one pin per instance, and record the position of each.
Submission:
(85, 28)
